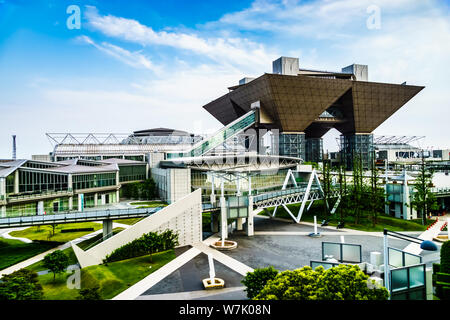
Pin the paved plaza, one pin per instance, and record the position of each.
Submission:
(280, 243)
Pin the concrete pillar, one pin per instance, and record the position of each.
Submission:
(40, 207)
(223, 218)
(103, 199)
(3, 212)
(107, 229)
(2, 188)
(213, 198)
(249, 224)
(70, 203)
(69, 182)
(117, 178)
(117, 196)
(240, 224)
(95, 199)
(214, 222)
(81, 202)
(429, 283)
(16, 181)
(147, 168)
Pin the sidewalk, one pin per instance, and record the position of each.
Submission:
(429, 234)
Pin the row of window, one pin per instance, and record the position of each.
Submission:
(40, 181)
(132, 173)
(88, 181)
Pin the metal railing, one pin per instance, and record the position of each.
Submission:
(219, 137)
(93, 215)
(27, 196)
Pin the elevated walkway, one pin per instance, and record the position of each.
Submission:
(71, 217)
(229, 131)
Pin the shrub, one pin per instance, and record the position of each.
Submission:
(89, 294)
(256, 280)
(445, 257)
(22, 284)
(344, 282)
(149, 243)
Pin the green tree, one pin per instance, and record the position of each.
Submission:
(22, 284)
(256, 280)
(358, 188)
(377, 197)
(56, 262)
(344, 282)
(423, 200)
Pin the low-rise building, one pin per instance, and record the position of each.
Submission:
(29, 187)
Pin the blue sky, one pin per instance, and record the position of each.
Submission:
(141, 64)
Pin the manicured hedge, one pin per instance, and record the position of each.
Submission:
(76, 230)
(149, 243)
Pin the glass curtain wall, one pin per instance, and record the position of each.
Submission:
(87, 181)
(30, 181)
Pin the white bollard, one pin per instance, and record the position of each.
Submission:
(315, 225)
(212, 272)
(342, 239)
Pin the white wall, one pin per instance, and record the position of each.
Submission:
(183, 216)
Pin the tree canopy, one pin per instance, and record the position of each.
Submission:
(344, 282)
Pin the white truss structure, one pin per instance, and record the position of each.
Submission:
(293, 195)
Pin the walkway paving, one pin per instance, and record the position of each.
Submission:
(5, 234)
(196, 295)
(429, 234)
(143, 285)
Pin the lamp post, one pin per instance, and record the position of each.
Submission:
(424, 245)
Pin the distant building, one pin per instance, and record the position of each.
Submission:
(29, 187)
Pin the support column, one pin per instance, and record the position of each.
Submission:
(70, 203)
(3, 211)
(40, 207)
(69, 182)
(292, 144)
(240, 224)
(213, 195)
(103, 197)
(107, 229)
(81, 202)
(117, 196)
(95, 199)
(2, 188)
(16, 181)
(313, 149)
(357, 144)
(223, 218)
(249, 224)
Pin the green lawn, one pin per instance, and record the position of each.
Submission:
(15, 251)
(384, 221)
(112, 278)
(148, 204)
(45, 232)
(129, 221)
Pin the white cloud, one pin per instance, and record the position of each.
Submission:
(133, 59)
(222, 50)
